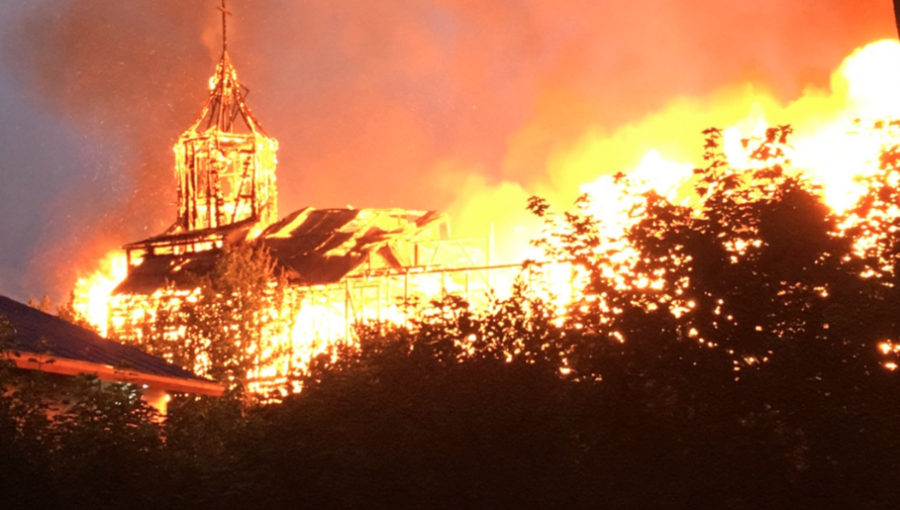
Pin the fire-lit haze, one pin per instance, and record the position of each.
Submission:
(461, 106)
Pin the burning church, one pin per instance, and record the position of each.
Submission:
(340, 266)
(345, 266)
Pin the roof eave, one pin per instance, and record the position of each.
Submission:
(64, 366)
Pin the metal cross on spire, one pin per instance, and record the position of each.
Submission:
(225, 14)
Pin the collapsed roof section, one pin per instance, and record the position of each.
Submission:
(225, 162)
(312, 247)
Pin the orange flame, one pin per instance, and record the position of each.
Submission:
(92, 293)
(828, 145)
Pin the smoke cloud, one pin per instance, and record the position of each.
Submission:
(453, 105)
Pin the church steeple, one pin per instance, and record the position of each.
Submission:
(225, 162)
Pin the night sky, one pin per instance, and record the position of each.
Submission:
(453, 105)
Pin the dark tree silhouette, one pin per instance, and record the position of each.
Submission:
(771, 312)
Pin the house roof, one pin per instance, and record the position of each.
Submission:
(312, 247)
(51, 344)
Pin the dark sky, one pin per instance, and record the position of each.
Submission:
(455, 105)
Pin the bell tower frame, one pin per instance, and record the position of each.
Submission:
(225, 162)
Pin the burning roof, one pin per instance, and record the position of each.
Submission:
(312, 247)
(324, 246)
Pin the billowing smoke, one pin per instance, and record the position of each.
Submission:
(448, 104)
